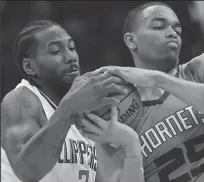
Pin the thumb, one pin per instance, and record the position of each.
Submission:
(114, 114)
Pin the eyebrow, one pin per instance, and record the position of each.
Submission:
(176, 23)
(59, 42)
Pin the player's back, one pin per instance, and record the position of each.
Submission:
(172, 138)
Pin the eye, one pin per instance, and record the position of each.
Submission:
(158, 27)
(54, 49)
(55, 52)
(72, 48)
(178, 31)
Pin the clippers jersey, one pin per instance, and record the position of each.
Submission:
(77, 162)
(172, 138)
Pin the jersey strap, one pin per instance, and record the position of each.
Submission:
(161, 100)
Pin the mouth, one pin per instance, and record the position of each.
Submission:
(173, 44)
(73, 72)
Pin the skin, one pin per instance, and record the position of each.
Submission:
(56, 63)
(158, 26)
(154, 55)
(56, 47)
(161, 58)
(32, 142)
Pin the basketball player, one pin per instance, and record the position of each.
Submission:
(39, 139)
(171, 126)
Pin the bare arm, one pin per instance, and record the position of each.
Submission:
(190, 92)
(123, 164)
(32, 150)
(120, 165)
(133, 164)
(33, 144)
(132, 168)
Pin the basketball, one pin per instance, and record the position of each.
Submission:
(128, 109)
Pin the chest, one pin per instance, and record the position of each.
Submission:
(78, 150)
(167, 125)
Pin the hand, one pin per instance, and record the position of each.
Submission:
(112, 132)
(90, 91)
(137, 76)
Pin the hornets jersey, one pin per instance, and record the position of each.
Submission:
(172, 136)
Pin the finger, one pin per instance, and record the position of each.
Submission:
(78, 121)
(79, 127)
(97, 120)
(110, 101)
(94, 120)
(112, 79)
(114, 114)
(89, 135)
(88, 126)
(103, 69)
(99, 78)
(117, 72)
(91, 74)
(86, 130)
(115, 89)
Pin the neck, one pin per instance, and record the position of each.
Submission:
(140, 64)
(150, 93)
(55, 92)
(160, 67)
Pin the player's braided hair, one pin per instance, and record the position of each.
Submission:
(25, 43)
(133, 14)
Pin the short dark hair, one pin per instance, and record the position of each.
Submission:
(135, 12)
(26, 40)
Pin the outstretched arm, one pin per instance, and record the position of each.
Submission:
(191, 93)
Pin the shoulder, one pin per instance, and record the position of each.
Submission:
(195, 67)
(20, 100)
(196, 63)
(21, 114)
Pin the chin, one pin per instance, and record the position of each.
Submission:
(69, 80)
(171, 62)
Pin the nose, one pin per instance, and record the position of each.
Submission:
(171, 33)
(69, 57)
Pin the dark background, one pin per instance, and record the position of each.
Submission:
(96, 27)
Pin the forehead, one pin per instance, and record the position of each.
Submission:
(159, 11)
(52, 34)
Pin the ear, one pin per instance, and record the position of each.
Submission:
(130, 40)
(29, 66)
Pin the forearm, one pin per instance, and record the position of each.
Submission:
(133, 165)
(42, 152)
(190, 92)
(132, 170)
